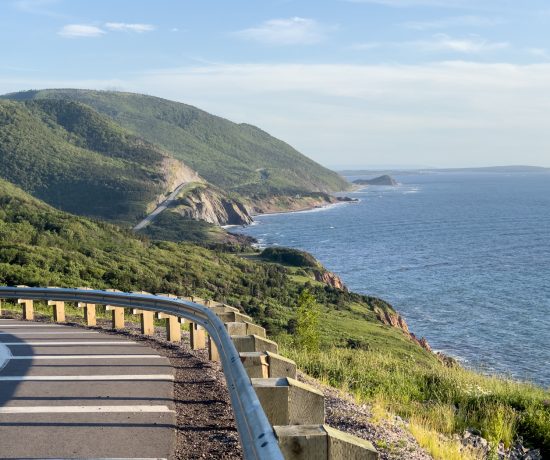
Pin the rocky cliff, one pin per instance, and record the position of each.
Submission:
(284, 203)
(331, 279)
(397, 321)
(212, 206)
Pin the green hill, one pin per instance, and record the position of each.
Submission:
(78, 160)
(236, 157)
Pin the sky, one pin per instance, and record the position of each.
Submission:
(350, 83)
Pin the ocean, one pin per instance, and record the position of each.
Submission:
(464, 257)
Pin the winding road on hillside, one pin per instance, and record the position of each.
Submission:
(161, 207)
(67, 392)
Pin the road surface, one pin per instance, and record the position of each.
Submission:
(75, 393)
(161, 207)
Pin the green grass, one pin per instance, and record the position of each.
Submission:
(435, 397)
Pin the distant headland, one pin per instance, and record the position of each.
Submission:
(380, 180)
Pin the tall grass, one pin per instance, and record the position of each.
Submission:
(435, 397)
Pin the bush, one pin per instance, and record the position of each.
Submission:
(289, 256)
(307, 322)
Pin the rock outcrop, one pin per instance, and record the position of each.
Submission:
(397, 321)
(331, 279)
(286, 203)
(213, 206)
(380, 180)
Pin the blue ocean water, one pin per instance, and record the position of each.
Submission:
(465, 257)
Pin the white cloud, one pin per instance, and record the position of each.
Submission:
(457, 21)
(39, 7)
(80, 30)
(292, 31)
(366, 46)
(539, 52)
(442, 42)
(125, 27)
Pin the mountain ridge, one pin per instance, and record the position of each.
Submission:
(116, 156)
(236, 157)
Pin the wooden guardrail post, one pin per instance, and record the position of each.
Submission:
(117, 316)
(289, 402)
(173, 327)
(58, 310)
(89, 313)
(28, 308)
(197, 336)
(147, 323)
(213, 354)
(244, 343)
(173, 323)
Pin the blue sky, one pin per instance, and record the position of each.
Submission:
(347, 82)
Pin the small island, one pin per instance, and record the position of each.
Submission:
(380, 180)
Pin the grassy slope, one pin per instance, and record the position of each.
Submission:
(78, 160)
(235, 157)
(40, 245)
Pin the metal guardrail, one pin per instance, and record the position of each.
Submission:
(256, 434)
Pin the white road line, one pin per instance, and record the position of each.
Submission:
(32, 325)
(70, 378)
(33, 357)
(82, 409)
(82, 342)
(48, 333)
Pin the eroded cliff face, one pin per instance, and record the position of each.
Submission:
(284, 203)
(212, 206)
(177, 172)
(397, 321)
(331, 279)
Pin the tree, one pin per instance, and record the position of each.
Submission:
(307, 322)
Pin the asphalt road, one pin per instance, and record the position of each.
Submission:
(73, 393)
(161, 207)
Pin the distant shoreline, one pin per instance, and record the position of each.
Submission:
(485, 169)
(304, 210)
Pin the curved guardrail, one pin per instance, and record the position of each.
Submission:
(256, 434)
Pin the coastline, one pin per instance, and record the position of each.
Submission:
(302, 210)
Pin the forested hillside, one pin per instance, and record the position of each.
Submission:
(79, 160)
(236, 157)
